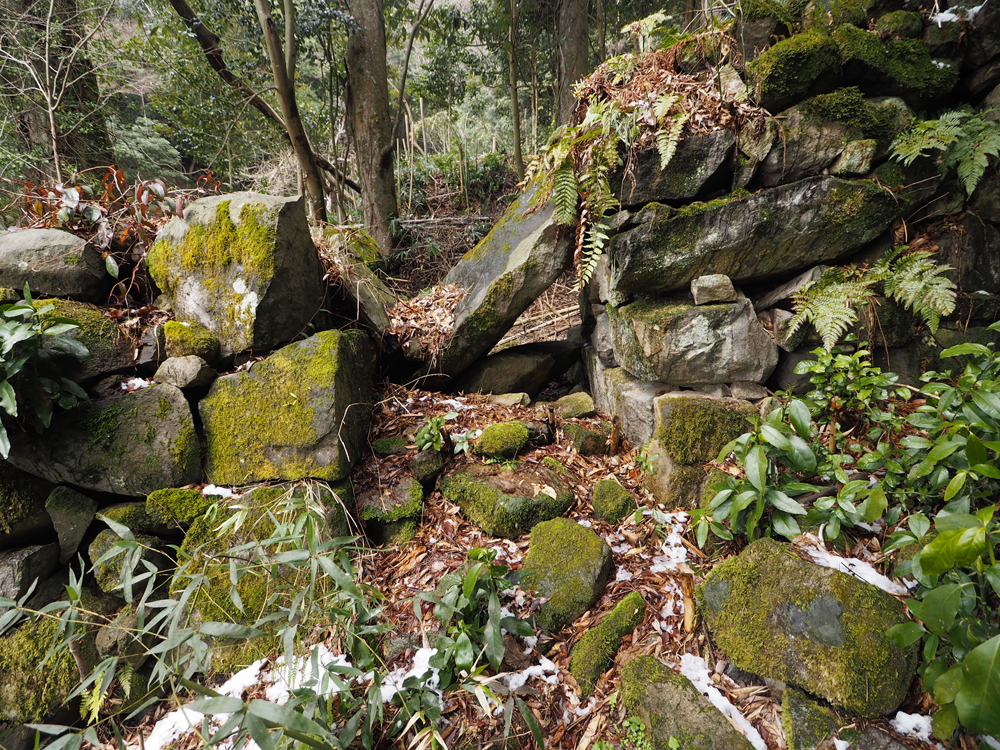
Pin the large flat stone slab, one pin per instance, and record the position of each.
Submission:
(52, 263)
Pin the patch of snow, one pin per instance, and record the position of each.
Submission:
(940, 63)
(220, 491)
(235, 685)
(172, 727)
(991, 741)
(623, 575)
(516, 680)
(621, 549)
(667, 609)
(913, 725)
(456, 405)
(584, 710)
(694, 668)
(841, 744)
(584, 522)
(306, 670)
(813, 548)
(421, 669)
(134, 384)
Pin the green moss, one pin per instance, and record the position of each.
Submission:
(586, 442)
(190, 339)
(426, 465)
(493, 498)
(698, 428)
(96, 332)
(389, 446)
(906, 62)
(21, 497)
(181, 507)
(557, 467)
(397, 533)
(599, 645)
(611, 501)
(404, 500)
(109, 573)
(503, 228)
(845, 658)
(902, 24)
(752, 10)
(639, 673)
(502, 440)
(29, 693)
(136, 516)
(806, 723)
(569, 564)
(854, 12)
(790, 68)
(262, 424)
(848, 107)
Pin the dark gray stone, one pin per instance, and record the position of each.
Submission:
(71, 513)
(23, 567)
(789, 288)
(807, 146)
(53, 263)
(23, 519)
(618, 394)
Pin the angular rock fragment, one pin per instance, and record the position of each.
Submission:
(52, 263)
(71, 513)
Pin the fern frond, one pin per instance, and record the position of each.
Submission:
(924, 136)
(668, 137)
(597, 239)
(831, 305)
(919, 284)
(564, 193)
(663, 104)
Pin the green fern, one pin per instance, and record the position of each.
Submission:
(668, 137)
(913, 279)
(967, 141)
(564, 193)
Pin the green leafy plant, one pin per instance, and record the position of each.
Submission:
(646, 462)
(968, 143)
(635, 734)
(430, 434)
(30, 379)
(912, 278)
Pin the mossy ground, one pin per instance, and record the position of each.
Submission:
(598, 646)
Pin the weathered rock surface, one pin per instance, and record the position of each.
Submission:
(190, 340)
(972, 250)
(819, 629)
(71, 513)
(676, 342)
(716, 287)
(110, 573)
(575, 405)
(598, 646)
(672, 708)
(809, 144)
(22, 567)
(517, 261)
(52, 263)
(111, 351)
(585, 441)
(775, 231)
(185, 372)
(507, 503)
(789, 288)
(130, 444)
(302, 412)
(22, 507)
(509, 371)
(243, 265)
(694, 163)
(570, 565)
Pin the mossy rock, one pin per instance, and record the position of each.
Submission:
(190, 340)
(793, 68)
(243, 265)
(912, 184)
(502, 440)
(22, 506)
(138, 518)
(128, 444)
(692, 430)
(598, 646)
(807, 723)
(507, 502)
(177, 507)
(673, 709)
(904, 24)
(426, 465)
(109, 574)
(569, 565)
(401, 500)
(394, 534)
(389, 446)
(53, 262)
(585, 441)
(576, 406)
(611, 501)
(887, 323)
(111, 351)
(904, 64)
(552, 463)
(302, 412)
(818, 629)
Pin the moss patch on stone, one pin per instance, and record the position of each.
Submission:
(611, 501)
(190, 339)
(569, 564)
(389, 446)
(507, 502)
(904, 24)
(181, 507)
(790, 68)
(698, 428)
(848, 107)
(587, 442)
(29, 693)
(405, 499)
(22, 496)
(502, 440)
(599, 645)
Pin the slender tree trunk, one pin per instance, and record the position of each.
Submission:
(515, 111)
(368, 114)
(602, 32)
(571, 37)
(285, 86)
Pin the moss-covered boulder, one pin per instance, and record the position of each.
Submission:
(71, 513)
(674, 341)
(177, 508)
(426, 465)
(389, 446)
(22, 507)
(507, 502)
(673, 709)
(894, 65)
(569, 565)
(611, 501)
(53, 263)
(810, 142)
(819, 629)
(502, 440)
(575, 406)
(109, 573)
(507, 271)
(302, 412)
(243, 265)
(138, 517)
(598, 646)
(190, 340)
(905, 24)
(129, 444)
(111, 351)
(695, 162)
(404, 499)
(775, 231)
(803, 64)
(585, 441)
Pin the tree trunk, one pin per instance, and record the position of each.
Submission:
(515, 110)
(571, 37)
(368, 115)
(290, 109)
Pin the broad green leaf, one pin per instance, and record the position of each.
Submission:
(955, 485)
(801, 454)
(875, 504)
(465, 654)
(775, 438)
(801, 419)
(220, 705)
(785, 524)
(285, 716)
(988, 402)
(258, 731)
(783, 502)
(964, 350)
(978, 701)
(975, 451)
(944, 722)
(940, 607)
(946, 686)
(230, 630)
(120, 529)
(8, 401)
(492, 636)
(756, 467)
(942, 450)
(919, 525)
(516, 626)
(532, 722)
(904, 634)
(956, 547)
